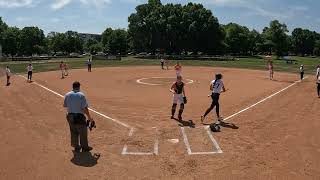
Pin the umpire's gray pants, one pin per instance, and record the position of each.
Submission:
(78, 131)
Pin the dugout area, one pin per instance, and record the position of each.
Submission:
(136, 139)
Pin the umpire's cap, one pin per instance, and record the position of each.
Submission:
(76, 85)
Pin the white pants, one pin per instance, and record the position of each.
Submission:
(62, 72)
(178, 99)
(178, 73)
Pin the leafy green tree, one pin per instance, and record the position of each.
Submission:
(11, 40)
(31, 39)
(303, 41)
(276, 37)
(255, 42)
(57, 43)
(93, 46)
(3, 27)
(174, 28)
(73, 42)
(237, 38)
(316, 50)
(115, 41)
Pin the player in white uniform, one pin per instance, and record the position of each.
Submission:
(8, 74)
(30, 69)
(301, 72)
(318, 80)
(216, 87)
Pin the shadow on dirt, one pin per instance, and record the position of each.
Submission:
(226, 125)
(85, 159)
(184, 123)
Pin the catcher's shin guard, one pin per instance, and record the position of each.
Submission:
(173, 110)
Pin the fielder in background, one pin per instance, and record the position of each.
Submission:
(216, 87)
(318, 80)
(162, 63)
(29, 69)
(301, 72)
(178, 69)
(8, 74)
(66, 69)
(89, 64)
(270, 67)
(76, 104)
(62, 69)
(179, 96)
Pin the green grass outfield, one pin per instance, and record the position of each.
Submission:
(246, 63)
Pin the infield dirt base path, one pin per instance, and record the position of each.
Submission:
(277, 139)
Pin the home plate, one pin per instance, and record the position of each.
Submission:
(173, 141)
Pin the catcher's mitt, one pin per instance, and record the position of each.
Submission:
(185, 100)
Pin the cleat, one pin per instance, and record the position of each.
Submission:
(202, 119)
(88, 149)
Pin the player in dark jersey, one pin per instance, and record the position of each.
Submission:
(179, 95)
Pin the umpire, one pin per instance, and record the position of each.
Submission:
(77, 106)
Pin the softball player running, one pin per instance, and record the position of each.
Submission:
(8, 74)
(179, 96)
(318, 80)
(216, 87)
(178, 69)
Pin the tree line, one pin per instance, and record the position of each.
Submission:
(167, 28)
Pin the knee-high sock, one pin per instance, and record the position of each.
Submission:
(218, 109)
(173, 110)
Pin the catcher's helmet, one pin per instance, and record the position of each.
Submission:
(215, 127)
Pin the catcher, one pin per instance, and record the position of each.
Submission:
(179, 96)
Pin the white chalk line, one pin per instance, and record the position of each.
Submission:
(151, 84)
(188, 146)
(101, 114)
(263, 100)
(155, 147)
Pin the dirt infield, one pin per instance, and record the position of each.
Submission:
(135, 138)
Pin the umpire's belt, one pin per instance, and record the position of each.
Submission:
(76, 118)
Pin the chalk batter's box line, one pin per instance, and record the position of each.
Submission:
(155, 147)
(214, 142)
(187, 144)
(265, 99)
